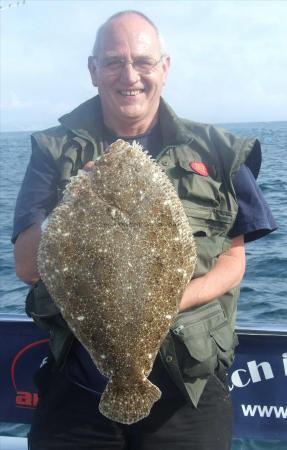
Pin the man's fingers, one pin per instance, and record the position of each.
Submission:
(89, 166)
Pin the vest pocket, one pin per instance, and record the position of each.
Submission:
(208, 221)
(203, 338)
(41, 308)
(204, 191)
(226, 341)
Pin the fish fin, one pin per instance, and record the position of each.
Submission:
(130, 403)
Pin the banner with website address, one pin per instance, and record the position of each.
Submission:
(258, 379)
(258, 385)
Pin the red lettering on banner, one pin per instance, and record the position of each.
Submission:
(20, 354)
(24, 399)
(27, 399)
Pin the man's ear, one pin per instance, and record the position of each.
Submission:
(93, 70)
(166, 66)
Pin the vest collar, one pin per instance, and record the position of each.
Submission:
(86, 121)
(173, 130)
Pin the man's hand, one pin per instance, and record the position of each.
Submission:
(225, 275)
(89, 166)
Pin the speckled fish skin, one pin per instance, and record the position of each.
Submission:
(116, 257)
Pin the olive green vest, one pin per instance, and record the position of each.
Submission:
(202, 338)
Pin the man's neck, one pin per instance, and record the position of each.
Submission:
(130, 129)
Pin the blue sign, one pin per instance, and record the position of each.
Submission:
(23, 348)
(258, 384)
(258, 379)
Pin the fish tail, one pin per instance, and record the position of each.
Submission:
(129, 403)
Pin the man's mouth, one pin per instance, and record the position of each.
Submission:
(131, 93)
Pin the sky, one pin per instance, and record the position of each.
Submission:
(229, 58)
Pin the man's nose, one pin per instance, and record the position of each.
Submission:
(129, 74)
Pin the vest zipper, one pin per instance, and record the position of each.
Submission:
(159, 156)
(178, 329)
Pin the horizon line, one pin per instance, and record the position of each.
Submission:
(212, 123)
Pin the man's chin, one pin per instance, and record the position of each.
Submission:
(130, 113)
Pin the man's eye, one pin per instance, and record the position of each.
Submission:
(144, 63)
(113, 63)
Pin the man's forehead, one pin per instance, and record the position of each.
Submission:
(124, 31)
(130, 21)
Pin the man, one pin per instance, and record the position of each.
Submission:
(213, 173)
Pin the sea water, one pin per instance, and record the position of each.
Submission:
(263, 299)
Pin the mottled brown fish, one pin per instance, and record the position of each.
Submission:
(116, 257)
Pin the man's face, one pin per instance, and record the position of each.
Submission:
(129, 99)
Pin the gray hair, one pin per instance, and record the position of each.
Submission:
(123, 13)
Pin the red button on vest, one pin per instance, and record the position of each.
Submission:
(199, 168)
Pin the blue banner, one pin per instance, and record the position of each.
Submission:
(258, 385)
(23, 347)
(258, 379)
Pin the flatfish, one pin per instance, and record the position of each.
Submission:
(116, 256)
